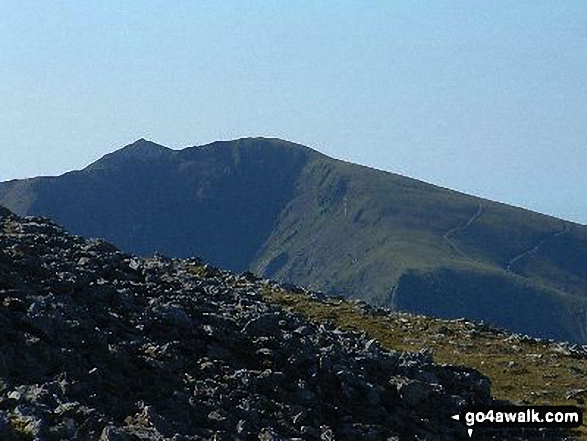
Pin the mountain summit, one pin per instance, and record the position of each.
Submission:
(285, 211)
(140, 150)
(143, 147)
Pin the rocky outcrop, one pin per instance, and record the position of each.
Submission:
(98, 344)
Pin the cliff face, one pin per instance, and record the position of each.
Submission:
(101, 344)
(287, 212)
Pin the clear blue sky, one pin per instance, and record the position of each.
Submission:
(486, 97)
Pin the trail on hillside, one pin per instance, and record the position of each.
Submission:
(461, 228)
(537, 247)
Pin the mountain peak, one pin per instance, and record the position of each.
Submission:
(140, 150)
(143, 147)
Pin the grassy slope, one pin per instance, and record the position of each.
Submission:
(350, 229)
(522, 370)
(402, 221)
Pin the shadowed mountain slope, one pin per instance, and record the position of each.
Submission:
(220, 201)
(285, 211)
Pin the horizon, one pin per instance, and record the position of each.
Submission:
(484, 99)
(296, 143)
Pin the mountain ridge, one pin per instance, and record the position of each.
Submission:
(286, 211)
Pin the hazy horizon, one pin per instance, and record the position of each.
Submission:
(486, 99)
(197, 145)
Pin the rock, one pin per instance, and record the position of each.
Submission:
(266, 324)
(111, 433)
(414, 393)
(4, 212)
(6, 430)
(97, 344)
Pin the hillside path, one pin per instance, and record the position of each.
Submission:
(537, 247)
(460, 229)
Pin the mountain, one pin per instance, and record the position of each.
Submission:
(287, 212)
(99, 344)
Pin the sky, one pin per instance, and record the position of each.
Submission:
(485, 97)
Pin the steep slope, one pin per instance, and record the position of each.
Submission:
(97, 344)
(219, 201)
(285, 211)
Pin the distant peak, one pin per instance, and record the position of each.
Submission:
(262, 143)
(140, 150)
(144, 146)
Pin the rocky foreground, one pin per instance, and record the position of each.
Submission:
(98, 344)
